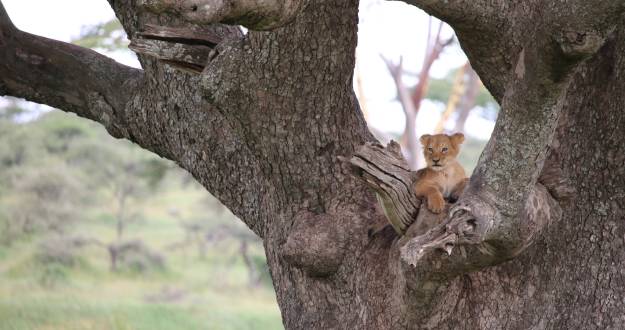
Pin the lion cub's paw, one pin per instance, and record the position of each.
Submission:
(436, 203)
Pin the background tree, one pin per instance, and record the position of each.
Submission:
(202, 233)
(410, 98)
(472, 95)
(129, 178)
(266, 115)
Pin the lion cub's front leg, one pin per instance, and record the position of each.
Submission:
(433, 195)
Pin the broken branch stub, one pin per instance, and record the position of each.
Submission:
(386, 171)
(188, 48)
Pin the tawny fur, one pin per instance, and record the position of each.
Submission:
(443, 177)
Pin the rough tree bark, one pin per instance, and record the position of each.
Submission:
(263, 124)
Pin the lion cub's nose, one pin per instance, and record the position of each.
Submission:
(435, 160)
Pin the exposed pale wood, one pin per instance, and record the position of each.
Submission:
(186, 48)
(192, 58)
(210, 35)
(386, 171)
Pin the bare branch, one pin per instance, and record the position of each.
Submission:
(457, 90)
(253, 14)
(468, 100)
(428, 60)
(411, 102)
(410, 108)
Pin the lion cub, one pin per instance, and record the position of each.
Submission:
(443, 177)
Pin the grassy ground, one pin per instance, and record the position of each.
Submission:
(190, 292)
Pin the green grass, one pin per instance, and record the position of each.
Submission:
(67, 314)
(60, 311)
(189, 293)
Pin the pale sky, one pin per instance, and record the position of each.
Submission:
(391, 29)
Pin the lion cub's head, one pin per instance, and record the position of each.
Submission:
(440, 149)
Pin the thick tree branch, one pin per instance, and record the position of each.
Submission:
(159, 109)
(504, 206)
(459, 11)
(253, 14)
(65, 76)
(514, 157)
(6, 25)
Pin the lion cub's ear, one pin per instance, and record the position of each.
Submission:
(425, 139)
(457, 138)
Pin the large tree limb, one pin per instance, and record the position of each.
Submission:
(531, 107)
(458, 11)
(253, 14)
(159, 109)
(504, 206)
(65, 76)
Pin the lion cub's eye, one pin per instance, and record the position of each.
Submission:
(430, 149)
(445, 149)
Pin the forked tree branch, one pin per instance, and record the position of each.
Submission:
(504, 206)
(65, 76)
(438, 247)
(253, 14)
(515, 154)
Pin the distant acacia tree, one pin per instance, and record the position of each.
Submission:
(124, 178)
(260, 119)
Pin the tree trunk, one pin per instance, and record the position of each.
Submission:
(262, 128)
